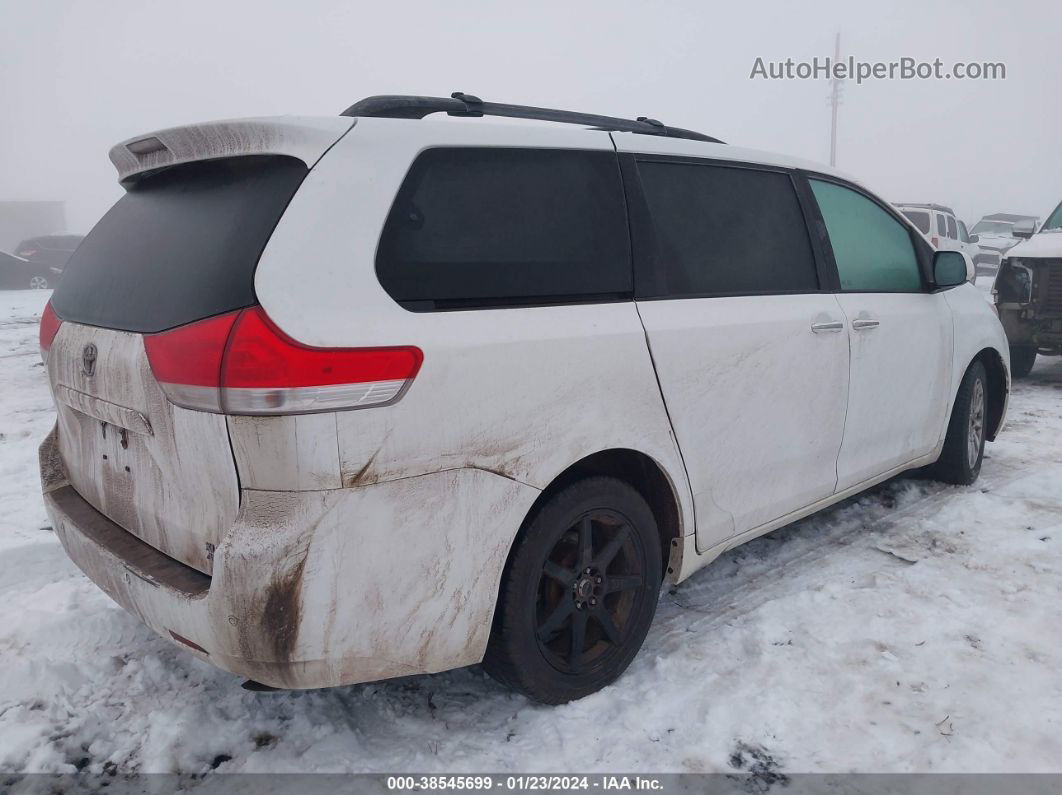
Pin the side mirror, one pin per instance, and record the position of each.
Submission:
(1024, 229)
(975, 238)
(951, 268)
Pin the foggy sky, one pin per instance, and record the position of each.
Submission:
(76, 77)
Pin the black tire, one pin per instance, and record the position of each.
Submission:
(554, 583)
(1022, 359)
(958, 463)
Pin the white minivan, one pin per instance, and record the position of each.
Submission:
(342, 399)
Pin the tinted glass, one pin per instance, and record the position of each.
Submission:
(964, 236)
(180, 246)
(953, 233)
(873, 250)
(942, 228)
(1054, 221)
(724, 231)
(492, 226)
(993, 228)
(919, 219)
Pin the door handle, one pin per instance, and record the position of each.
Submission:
(858, 325)
(833, 325)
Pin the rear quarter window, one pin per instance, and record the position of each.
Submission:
(180, 246)
(919, 219)
(482, 227)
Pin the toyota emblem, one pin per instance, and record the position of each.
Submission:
(88, 359)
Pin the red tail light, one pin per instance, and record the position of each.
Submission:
(50, 323)
(187, 361)
(240, 363)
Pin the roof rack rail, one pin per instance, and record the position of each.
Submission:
(925, 206)
(398, 106)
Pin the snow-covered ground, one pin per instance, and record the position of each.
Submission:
(915, 628)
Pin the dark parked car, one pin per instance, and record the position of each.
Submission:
(17, 273)
(49, 254)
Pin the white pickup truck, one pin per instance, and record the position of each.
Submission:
(1028, 293)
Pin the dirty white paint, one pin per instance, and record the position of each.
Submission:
(758, 402)
(368, 544)
(321, 588)
(105, 412)
(901, 379)
(293, 453)
(973, 335)
(174, 487)
(305, 138)
(522, 392)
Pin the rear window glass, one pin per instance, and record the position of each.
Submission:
(496, 226)
(919, 219)
(724, 231)
(180, 246)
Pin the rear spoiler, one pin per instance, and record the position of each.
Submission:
(306, 138)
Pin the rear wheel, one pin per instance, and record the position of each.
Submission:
(38, 283)
(1022, 359)
(964, 445)
(579, 593)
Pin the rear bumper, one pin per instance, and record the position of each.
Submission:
(315, 589)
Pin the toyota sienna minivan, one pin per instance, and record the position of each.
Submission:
(349, 398)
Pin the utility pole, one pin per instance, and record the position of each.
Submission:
(834, 101)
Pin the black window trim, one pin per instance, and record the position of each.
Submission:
(950, 221)
(426, 306)
(923, 251)
(643, 236)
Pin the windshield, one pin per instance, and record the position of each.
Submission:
(993, 228)
(1054, 221)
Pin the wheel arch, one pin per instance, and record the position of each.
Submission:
(640, 471)
(998, 388)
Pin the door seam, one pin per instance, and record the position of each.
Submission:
(671, 425)
(847, 396)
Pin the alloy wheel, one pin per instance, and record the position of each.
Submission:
(590, 584)
(975, 434)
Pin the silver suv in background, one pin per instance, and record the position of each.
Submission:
(996, 235)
